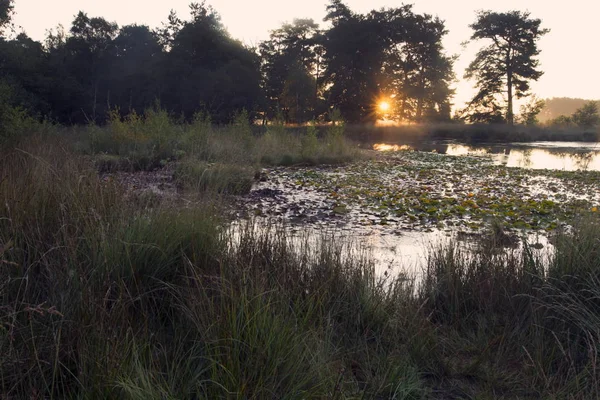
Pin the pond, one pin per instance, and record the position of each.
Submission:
(407, 198)
(564, 156)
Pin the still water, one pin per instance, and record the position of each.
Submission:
(565, 156)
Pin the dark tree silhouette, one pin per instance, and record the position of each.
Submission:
(386, 53)
(205, 69)
(6, 12)
(587, 116)
(135, 73)
(507, 64)
(421, 72)
(291, 69)
(88, 56)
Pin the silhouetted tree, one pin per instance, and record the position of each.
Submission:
(291, 70)
(530, 111)
(87, 56)
(422, 73)
(6, 11)
(387, 53)
(587, 116)
(135, 81)
(508, 63)
(205, 69)
(354, 56)
(80, 73)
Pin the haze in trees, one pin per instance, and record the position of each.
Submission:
(557, 106)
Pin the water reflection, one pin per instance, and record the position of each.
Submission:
(392, 252)
(565, 156)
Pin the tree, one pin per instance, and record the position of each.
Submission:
(291, 70)
(421, 72)
(389, 53)
(558, 106)
(134, 76)
(7, 8)
(587, 116)
(508, 63)
(85, 59)
(530, 111)
(353, 56)
(205, 69)
(562, 121)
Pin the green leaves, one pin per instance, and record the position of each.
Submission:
(417, 190)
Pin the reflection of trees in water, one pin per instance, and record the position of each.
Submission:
(501, 153)
(583, 159)
(526, 158)
(505, 155)
(580, 159)
(523, 156)
(498, 150)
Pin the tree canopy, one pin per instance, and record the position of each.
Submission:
(6, 11)
(504, 67)
(388, 63)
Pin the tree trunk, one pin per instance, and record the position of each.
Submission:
(509, 112)
(420, 100)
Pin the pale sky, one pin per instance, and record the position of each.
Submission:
(570, 54)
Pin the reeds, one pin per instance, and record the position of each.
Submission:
(101, 298)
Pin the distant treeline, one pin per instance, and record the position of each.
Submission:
(384, 64)
(557, 106)
(300, 73)
(193, 65)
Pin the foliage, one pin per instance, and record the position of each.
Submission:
(587, 116)
(103, 298)
(291, 69)
(530, 111)
(385, 52)
(95, 66)
(558, 106)
(508, 63)
(6, 12)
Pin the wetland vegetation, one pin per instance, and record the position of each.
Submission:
(184, 217)
(121, 278)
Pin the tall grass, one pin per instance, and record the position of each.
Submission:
(146, 142)
(101, 298)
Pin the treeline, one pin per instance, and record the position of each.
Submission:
(301, 73)
(558, 106)
(384, 64)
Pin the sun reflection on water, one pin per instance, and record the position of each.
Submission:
(391, 147)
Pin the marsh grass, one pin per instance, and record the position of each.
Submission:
(101, 298)
(149, 141)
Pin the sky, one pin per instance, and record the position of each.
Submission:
(570, 54)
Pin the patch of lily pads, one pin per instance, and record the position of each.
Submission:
(408, 190)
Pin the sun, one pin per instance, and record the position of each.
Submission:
(384, 106)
